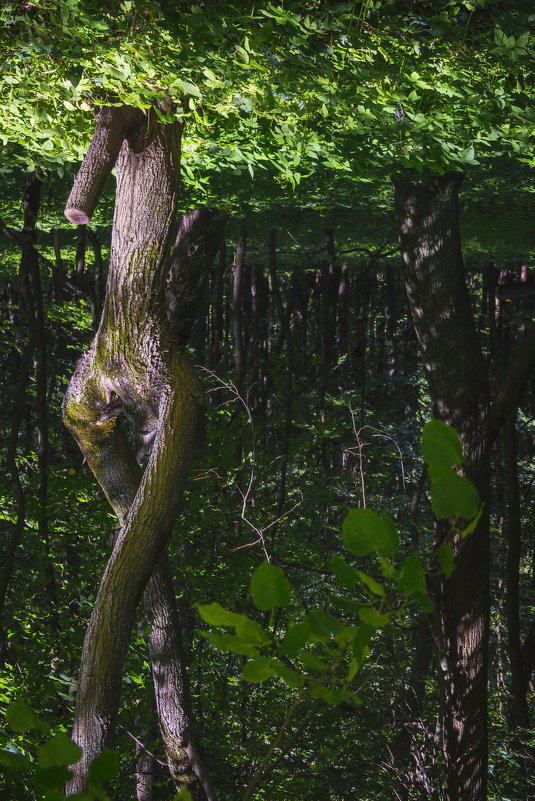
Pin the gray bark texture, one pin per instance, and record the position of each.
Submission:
(136, 365)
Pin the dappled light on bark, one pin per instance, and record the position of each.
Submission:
(137, 366)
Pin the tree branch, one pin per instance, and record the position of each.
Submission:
(521, 366)
(112, 127)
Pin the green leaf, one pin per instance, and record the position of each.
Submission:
(345, 574)
(412, 576)
(52, 777)
(251, 631)
(441, 448)
(467, 156)
(183, 795)
(445, 555)
(21, 717)
(371, 584)
(350, 605)
(471, 527)
(295, 638)
(364, 531)
(323, 625)
(358, 531)
(346, 637)
(269, 587)
(373, 618)
(424, 602)
(247, 629)
(454, 496)
(257, 670)
(361, 644)
(230, 642)
(313, 662)
(191, 89)
(354, 668)
(291, 677)
(388, 569)
(104, 767)
(216, 615)
(14, 760)
(328, 694)
(59, 750)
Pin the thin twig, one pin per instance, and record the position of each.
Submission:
(245, 495)
(253, 781)
(360, 445)
(143, 746)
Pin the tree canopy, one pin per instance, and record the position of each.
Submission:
(297, 90)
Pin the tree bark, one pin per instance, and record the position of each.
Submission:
(428, 222)
(135, 364)
(173, 696)
(519, 704)
(237, 306)
(427, 215)
(409, 745)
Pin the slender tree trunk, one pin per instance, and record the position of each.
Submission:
(284, 317)
(98, 283)
(19, 408)
(391, 322)
(38, 333)
(58, 272)
(135, 364)
(79, 258)
(344, 292)
(519, 705)
(173, 697)
(428, 223)
(429, 236)
(237, 305)
(217, 301)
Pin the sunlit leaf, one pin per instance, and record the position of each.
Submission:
(269, 587)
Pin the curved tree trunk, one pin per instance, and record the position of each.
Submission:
(136, 365)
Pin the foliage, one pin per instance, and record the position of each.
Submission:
(54, 757)
(296, 116)
(322, 654)
(460, 77)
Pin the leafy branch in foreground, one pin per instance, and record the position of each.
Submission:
(54, 757)
(320, 655)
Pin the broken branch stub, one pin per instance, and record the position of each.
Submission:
(112, 127)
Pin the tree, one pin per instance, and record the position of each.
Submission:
(428, 221)
(137, 365)
(419, 91)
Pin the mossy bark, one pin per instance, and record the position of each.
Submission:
(135, 365)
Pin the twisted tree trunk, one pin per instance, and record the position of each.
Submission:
(135, 365)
